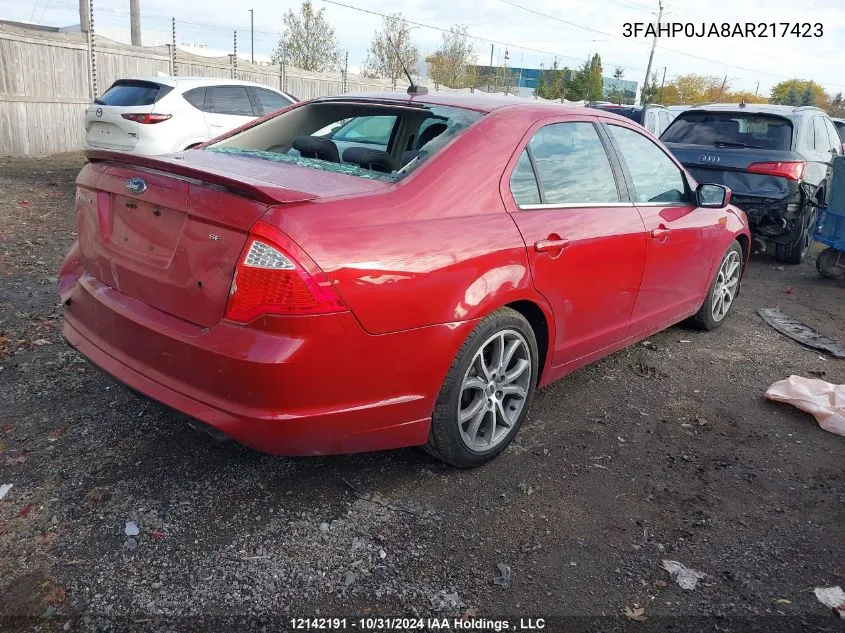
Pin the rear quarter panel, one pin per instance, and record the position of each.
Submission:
(436, 248)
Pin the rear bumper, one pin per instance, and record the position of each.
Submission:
(776, 220)
(312, 386)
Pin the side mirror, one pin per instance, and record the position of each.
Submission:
(712, 196)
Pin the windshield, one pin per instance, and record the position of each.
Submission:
(362, 138)
(730, 129)
(635, 114)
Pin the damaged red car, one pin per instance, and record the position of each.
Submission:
(369, 272)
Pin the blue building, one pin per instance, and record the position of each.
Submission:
(526, 80)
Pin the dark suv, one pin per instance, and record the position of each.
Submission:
(654, 118)
(775, 159)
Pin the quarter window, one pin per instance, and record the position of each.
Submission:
(572, 165)
(524, 182)
(270, 101)
(655, 177)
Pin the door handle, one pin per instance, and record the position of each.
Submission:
(545, 246)
(660, 232)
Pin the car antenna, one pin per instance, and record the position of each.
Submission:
(413, 89)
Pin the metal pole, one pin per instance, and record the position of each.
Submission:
(757, 88)
(235, 56)
(84, 20)
(173, 70)
(662, 83)
(135, 21)
(653, 45)
(92, 50)
(722, 89)
(346, 70)
(252, 36)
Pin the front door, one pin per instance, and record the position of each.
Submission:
(586, 243)
(681, 237)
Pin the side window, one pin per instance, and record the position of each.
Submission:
(269, 100)
(195, 97)
(229, 100)
(572, 165)
(651, 121)
(832, 132)
(665, 120)
(524, 182)
(370, 130)
(822, 140)
(655, 177)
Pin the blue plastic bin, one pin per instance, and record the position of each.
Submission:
(830, 229)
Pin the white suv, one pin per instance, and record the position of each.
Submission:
(161, 115)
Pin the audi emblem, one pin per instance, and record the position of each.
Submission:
(99, 112)
(708, 158)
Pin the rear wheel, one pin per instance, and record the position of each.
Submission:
(487, 391)
(722, 293)
(796, 252)
(831, 263)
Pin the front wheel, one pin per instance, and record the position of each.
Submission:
(720, 298)
(487, 391)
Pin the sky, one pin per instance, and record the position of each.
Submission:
(568, 29)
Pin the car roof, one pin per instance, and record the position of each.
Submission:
(480, 101)
(758, 108)
(197, 82)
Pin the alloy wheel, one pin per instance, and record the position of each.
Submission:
(727, 282)
(494, 390)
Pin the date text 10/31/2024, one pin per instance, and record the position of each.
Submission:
(416, 624)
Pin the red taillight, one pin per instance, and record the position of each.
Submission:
(793, 169)
(147, 119)
(275, 276)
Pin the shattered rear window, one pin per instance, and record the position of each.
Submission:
(372, 139)
(340, 168)
(730, 129)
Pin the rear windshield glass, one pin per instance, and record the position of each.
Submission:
(132, 93)
(840, 128)
(730, 129)
(635, 114)
(360, 138)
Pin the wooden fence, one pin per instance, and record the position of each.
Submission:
(47, 79)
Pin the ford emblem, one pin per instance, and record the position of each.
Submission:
(136, 186)
(708, 158)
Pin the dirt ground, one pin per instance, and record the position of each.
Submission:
(667, 451)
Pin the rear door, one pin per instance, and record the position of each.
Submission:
(105, 125)
(586, 241)
(227, 107)
(681, 237)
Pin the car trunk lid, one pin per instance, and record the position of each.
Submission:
(169, 232)
(729, 166)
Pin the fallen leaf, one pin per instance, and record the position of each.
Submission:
(26, 510)
(40, 342)
(2, 447)
(23, 203)
(97, 495)
(7, 428)
(20, 459)
(56, 433)
(75, 561)
(784, 601)
(660, 584)
(48, 537)
(636, 614)
(158, 534)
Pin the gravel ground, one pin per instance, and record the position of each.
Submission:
(665, 451)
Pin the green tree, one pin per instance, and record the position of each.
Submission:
(616, 94)
(392, 50)
(792, 92)
(449, 64)
(808, 98)
(594, 81)
(307, 40)
(649, 94)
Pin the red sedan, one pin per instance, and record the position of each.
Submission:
(369, 272)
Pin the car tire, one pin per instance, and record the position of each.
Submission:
(795, 252)
(724, 288)
(487, 392)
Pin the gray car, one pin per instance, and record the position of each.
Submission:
(776, 159)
